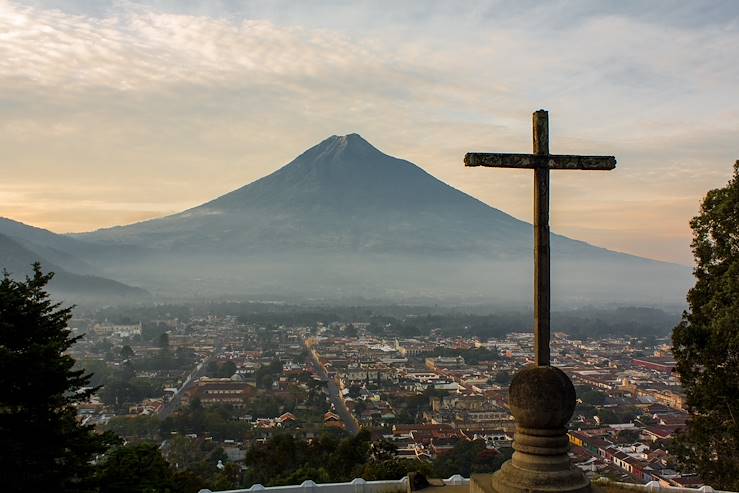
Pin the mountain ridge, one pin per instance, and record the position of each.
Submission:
(343, 217)
(17, 259)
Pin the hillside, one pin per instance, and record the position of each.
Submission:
(17, 260)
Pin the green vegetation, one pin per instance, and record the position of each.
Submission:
(471, 356)
(44, 447)
(195, 418)
(135, 468)
(590, 396)
(122, 391)
(285, 459)
(220, 370)
(267, 374)
(470, 457)
(706, 342)
(142, 427)
(141, 468)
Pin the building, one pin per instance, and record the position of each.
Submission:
(662, 365)
(106, 329)
(444, 362)
(215, 391)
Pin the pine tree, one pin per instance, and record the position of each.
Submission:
(44, 447)
(706, 343)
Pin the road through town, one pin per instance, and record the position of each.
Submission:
(333, 392)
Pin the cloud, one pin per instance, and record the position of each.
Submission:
(168, 105)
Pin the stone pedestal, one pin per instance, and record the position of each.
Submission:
(542, 399)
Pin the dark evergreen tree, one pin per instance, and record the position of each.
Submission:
(706, 342)
(44, 447)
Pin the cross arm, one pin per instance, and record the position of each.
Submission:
(530, 161)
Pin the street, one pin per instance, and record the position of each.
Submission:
(196, 373)
(333, 392)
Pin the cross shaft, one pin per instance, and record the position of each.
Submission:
(541, 162)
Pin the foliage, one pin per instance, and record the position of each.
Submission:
(616, 415)
(267, 374)
(228, 479)
(317, 475)
(706, 342)
(135, 469)
(503, 378)
(350, 331)
(189, 467)
(127, 352)
(591, 396)
(151, 331)
(194, 454)
(286, 458)
(627, 436)
(266, 406)
(44, 448)
(135, 427)
(190, 482)
(181, 359)
(163, 340)
(120, 392)
(222, 370)
(216, 421)
(471, 356)
(394, 468)
(469, 457)
(382, 450)
(99, 370)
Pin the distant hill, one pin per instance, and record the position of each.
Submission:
(17, 260)
(345, 220)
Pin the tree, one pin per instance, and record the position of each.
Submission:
(229, 478)
(163, 340)
(591, 396)
(350, 331)
(503, 378)
(706, 342)
(127, 352)
(394, 468)
(383, 450)
(135, 469)
(627, 436)
(469, 457)
(44, 448)
(228, 369)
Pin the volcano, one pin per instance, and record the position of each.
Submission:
(345, 219)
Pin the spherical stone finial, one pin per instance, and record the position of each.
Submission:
(542, 397)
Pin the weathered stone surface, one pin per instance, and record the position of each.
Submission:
(542, 398)
(531, 161)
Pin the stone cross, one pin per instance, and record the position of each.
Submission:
(541, 162)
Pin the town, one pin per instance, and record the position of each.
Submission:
(210, 388)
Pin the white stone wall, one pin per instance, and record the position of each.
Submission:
(356, 486)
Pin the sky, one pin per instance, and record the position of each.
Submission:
(115, 112)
